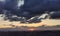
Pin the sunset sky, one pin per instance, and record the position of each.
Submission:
(46, 22)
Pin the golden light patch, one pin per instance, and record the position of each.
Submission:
(31, 29)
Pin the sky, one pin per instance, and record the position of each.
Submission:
(20, 2)
(46, 22)
(2, 0)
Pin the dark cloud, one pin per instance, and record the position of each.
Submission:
(55, 15)
(30, 8)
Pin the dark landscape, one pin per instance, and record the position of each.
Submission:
(30, 33)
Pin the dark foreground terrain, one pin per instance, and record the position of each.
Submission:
(30, 33)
